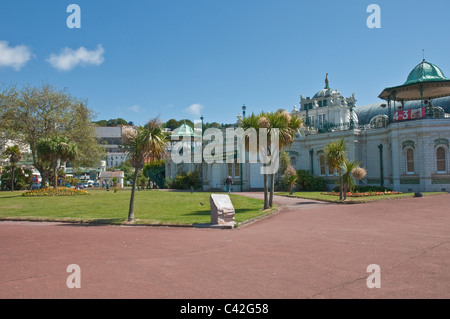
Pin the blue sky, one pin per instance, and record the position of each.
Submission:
(139, 59)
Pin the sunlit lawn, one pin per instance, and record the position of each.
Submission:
(151, 207)
(350, 200)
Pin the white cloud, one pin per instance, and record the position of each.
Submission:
(14, 57)
(69, 58)
(194, 109)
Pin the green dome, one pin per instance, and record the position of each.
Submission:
(184, 130)
(425, 72)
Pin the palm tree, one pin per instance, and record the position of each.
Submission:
(351, 170)
(255, 122)
(53, 151)
(336, 155)
(14, 154)
(143, 144)
(288, 126)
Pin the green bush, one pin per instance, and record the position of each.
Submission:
(309, 183)
(23, 177)
(186, 181)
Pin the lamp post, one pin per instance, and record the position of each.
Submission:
(244, 108)
(201, 169)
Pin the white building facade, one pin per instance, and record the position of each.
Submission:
(403, 144)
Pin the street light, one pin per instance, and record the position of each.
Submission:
(201, 169)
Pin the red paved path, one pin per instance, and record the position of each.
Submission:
(307, 250)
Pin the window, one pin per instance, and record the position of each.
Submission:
(320, 103)
(325, 103)
(410, 161)
(441, 160)
(234, 169)
(322, 163)
(237, 170)
(230, 169)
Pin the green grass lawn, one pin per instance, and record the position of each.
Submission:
(151, 207)
(350, 200)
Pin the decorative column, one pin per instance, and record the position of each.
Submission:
(380, 147)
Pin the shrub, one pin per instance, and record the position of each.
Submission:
(23, 177)
(186, 181)
(309, 183)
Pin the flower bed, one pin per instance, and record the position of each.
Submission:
(62, 191)
(366, 194)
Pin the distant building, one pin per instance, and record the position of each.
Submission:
(111, 139)
(108, 177)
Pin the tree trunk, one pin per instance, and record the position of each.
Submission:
(341, 192)
(55, 174)
(266, 199)
(13, 177)
(44, 180)
(345, 191)
(272, 189)
(55, 177)
(133, 191)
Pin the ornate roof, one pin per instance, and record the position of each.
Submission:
(425, 81)
(184, 130)
(425, 72)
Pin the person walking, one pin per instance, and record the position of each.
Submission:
(228, 183)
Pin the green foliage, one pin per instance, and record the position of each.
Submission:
(13, 153)
(127, 169)
(285, 162)
(185, 181)
(309, 183)
(112, 122)
(155, 166)
(23, 178)
(71, 180)
(173, 124)
(32, 113)
(168, 182)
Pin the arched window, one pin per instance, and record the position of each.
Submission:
(323, 164)
(379, 121)
(441, 160)
(410, 161)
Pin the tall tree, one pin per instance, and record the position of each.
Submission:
(14, 154)
(54, 151)
(256, 121)
(288, 126)
(143, 144)
(351, 170)
(32, 113)
(336, 155)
